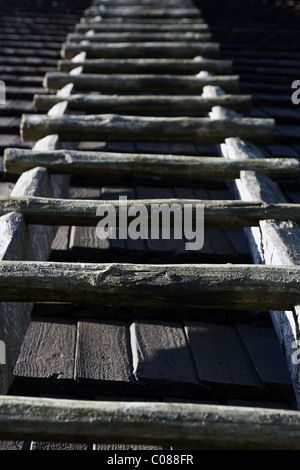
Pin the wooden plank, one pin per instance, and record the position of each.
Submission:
(148, 65)
(118, 83)
(273, 242)
(185, 425)
(47, 356)
(262, 346)
(84, 192)
(161, 358)
(174, 50)
(52, 211)
(27, 243)
(143, 104)
(220, 359)
(31, 242)
(167, 166)
(61, 240)
(209, 286)
(118, 128)
(281, 244)
(84, 239)
(103, 357)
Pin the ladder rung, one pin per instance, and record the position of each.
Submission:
(185, 285)
(143, 104)
(183, 425)
(168, 166)
(124, 19)
(118, 128)
(141, 27)
(149, 66)
(178, 50)
(136, 83)
(83, 212)
(136, 37)
(143, 12)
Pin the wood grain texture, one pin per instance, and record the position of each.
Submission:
(103, 356)
(184, 425)
(145, 104)
(263, 347)
(175, 50)
(167, 166)
(19, 241)
(273, 242)
(189, 285)
(139, 37)
(141, 83)
(162, 359)
(47, 356)
(31, 242)
(220, 359)
(148, 65)
(118, 128)
(39, 210)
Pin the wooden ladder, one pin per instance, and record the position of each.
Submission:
(137, 70)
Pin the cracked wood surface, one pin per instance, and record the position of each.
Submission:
(238, 287)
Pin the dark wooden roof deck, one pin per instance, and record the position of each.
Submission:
(100, 352)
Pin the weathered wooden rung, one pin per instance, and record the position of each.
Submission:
(83, 212)
(137, 37)
(142, 104)
(185, 285)
(118, 128)
(169, 166)
(142, 27)
(124, 19)
(141, 83)
(177, 50)
(149, 66)
(143, 12)
(183, 425)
